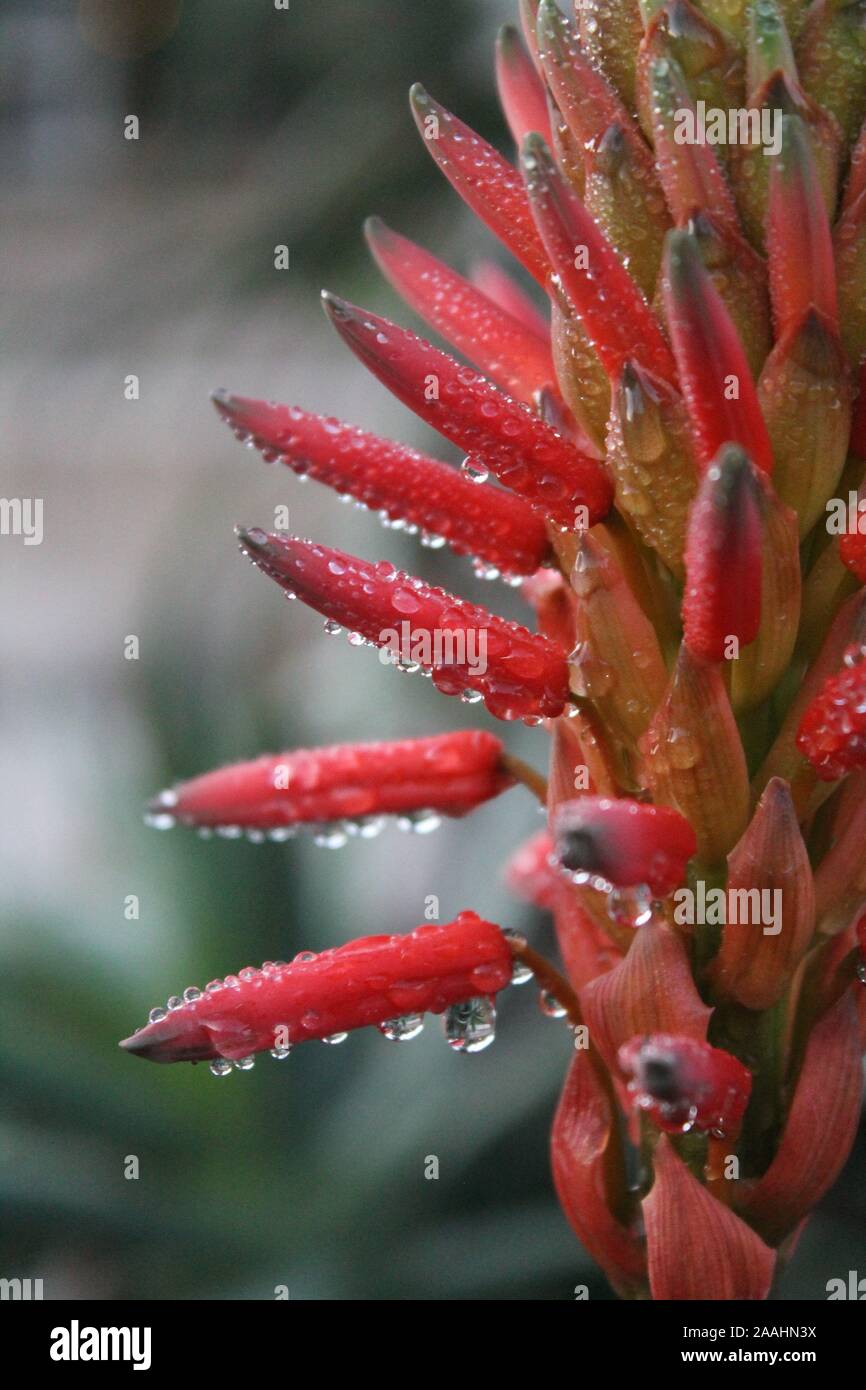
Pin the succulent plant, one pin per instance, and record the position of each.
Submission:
(671, 470)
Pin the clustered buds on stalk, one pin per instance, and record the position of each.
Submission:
(658, 466)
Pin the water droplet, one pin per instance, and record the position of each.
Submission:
(630, 907)
(474, 471)
(281, 1053)
(191, 994)
(244, 1063)
(334, 1038)
(221, 1066)
(470, 1026)
(550, 1005)
(331, 628)
(157, 1015)
(520, 973)
(402, 1029)
(175, 1002)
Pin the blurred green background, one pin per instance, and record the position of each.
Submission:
(155, 257)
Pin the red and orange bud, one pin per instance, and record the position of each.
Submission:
(832, 732)
(496, 342)
(495, 527)
(714, 373)
(448, 774)
(501, 434)
(519, 674)
(521, 92)
(623, 843)
(616, 317)
(697, 1247)
(384, 981)
(683, 1084)
(485, 181)
(722, 599)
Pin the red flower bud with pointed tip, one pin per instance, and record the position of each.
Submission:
(519, 674)
(493, 526)
(525, 454)
(624, 842)
(366, 982)
(521, 93)
(714, 373)
(802, 273)
(450, 774)
(485, 181)
(497, 343)
(682, 1083)
(832, 732)
(722, 597)
(616, 317)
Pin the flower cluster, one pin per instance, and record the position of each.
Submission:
(653, 461)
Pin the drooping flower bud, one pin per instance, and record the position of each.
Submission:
(493, 526)
(682, 1083)
(623, 842)
(485, 181)
(519, 674)
(376, 980)
(448, 774)
(477, 327)
(832, 733)
(502, 434)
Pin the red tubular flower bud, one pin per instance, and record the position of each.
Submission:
(696, 1247)
(685, 1084)
(494, 526)
(832, 732)
(524, 453)
(617, 319)
(521, 93)
(715, 377)
(498, 344)
(373, 980)
(722, 596)
(449, 774)
(623, 842)
(485, 181)
(519, 674)
(799, 242)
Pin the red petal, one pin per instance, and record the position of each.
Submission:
(832, 733)
(448, 773)
(526, 455)
(710, 359)
(617, 319)
(368, 981)
(650, 991)
(484, 180)
(490, 524)
(820, 1128)
(722, 596)
(520, 90)
(586, 949)
(799, 241)
(697, 1248)
(581, 1157)
(519, 674)
(497, 343)
(624, 842)
(683, 1083)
